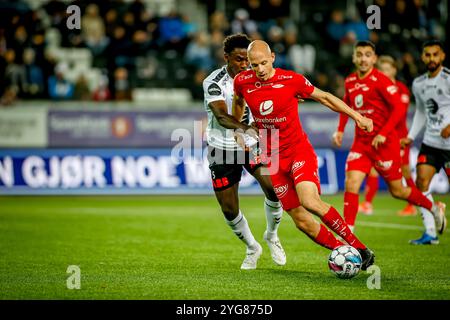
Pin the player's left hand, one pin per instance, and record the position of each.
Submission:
(378, 140)
(365, 124)
(445, 133)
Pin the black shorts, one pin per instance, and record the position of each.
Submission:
(226, 166)
(437, 158)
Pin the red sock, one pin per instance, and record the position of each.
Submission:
(334, 221)
(350, 207)
(326, 239)
(418, 199)
(410, 183)
(371, 187)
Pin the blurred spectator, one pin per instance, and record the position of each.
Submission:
(336, 28)
(198, 52)
(8, 97)
(122, 85)
(300, 57)
(357, 26)
(172, 34)
(275, 38)
(34, 84)
(102, 93)
(14, 72)
(195, 86)
(243, 24)
(219, 22)
(217, 38)
(58, 87)
(82, 91)
(93, 30)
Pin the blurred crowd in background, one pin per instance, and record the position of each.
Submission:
(123, 45)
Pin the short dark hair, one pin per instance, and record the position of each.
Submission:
(433, 42)
(239, 40)
(365, 43)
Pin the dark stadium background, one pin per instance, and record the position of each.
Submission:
(132, 74)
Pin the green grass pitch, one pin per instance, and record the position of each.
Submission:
(178, 247)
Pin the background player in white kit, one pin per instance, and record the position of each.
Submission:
(227, 159)
(432, 94)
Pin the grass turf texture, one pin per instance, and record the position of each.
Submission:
(180, 248)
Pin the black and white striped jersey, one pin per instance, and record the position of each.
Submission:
(432, 108)
(219, 86)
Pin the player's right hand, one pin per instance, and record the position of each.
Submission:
(404, 142)
(337, 138)
(365, 124)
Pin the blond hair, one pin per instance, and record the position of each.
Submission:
(386, 59)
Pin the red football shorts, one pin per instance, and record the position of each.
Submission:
(286, 171)
(386, 159)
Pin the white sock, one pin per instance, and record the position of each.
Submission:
(240, 227)
(427, 217)
(274, 212)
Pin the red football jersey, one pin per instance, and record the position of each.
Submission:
(274, 106)
(402, 129)
(375, 97)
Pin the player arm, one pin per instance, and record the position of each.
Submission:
(398, 113)
(336, 104)
(419, 120)
(220, 111)
(343, 118)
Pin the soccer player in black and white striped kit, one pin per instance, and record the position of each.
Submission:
(432, 94)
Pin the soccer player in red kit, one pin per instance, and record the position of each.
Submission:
(386, 64)
(373, 94)
(272, 96)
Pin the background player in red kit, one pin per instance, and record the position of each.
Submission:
(386, 64)
(373, 94)
(272, 96)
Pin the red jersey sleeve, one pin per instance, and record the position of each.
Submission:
(390, 93)
(237, 86)
(343, 118)
(304, 88)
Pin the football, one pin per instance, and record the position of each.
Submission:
(345, 262)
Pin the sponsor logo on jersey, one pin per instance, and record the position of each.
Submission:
(422, 158)
(353, 156)
(391, 89)
(405, 98)
(297, 165)
(214, 90)
(357, 86)
(251, 90)
(282, 76)
(359, 101)
(308, 83)
(432, 106)
(279, 85)
(281, 191)
(384, 165)
(266, 107)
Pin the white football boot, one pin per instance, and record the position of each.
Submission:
(251, 259)
(276, 250)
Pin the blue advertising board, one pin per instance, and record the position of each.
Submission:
(139, 171)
